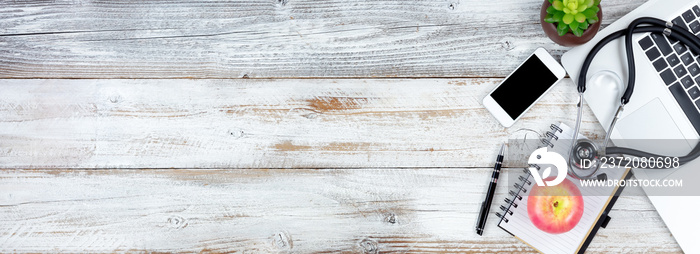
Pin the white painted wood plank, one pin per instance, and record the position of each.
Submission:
(272, 38)
(301, 211)
(250, 123)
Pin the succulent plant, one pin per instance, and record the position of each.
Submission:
(572, 15)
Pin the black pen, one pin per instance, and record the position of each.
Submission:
(486, 205)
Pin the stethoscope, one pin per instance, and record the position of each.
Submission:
(585, 149)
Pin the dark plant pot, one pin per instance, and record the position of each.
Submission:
(568, 39)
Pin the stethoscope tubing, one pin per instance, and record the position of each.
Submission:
(657, 26)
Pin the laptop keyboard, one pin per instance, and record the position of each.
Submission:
(677, 66)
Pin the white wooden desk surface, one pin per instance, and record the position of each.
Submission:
(269, 126)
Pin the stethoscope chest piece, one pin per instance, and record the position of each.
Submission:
(584, 159)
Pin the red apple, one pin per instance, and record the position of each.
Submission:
(555, 209)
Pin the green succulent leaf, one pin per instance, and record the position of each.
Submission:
(589, 13)
(572, 15)
(558, 5)
(549, 19)
(583, 25)
(558, 16)
(573, 25)
(562, 28)
(581, 8)
(562, 32)
(593, 20)
(568, 18)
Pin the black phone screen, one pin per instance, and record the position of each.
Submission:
(524, 86)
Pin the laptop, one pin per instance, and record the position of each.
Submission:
(665, 104)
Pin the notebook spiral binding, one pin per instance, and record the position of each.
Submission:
(524, 179)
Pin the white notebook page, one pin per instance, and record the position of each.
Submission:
(594, 199)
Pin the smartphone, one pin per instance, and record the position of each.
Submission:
(522, 88)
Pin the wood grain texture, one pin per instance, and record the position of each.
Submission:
(261, 123)
(272, 38)
(403, 162)
(300, 211)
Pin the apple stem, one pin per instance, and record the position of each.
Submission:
(556, 203)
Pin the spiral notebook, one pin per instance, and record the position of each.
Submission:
(597, 203)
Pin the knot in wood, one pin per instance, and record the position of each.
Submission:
(369, 246)
(236, 133)
(177, 222)
(390, 218)
(114, 98)
(282, 240)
